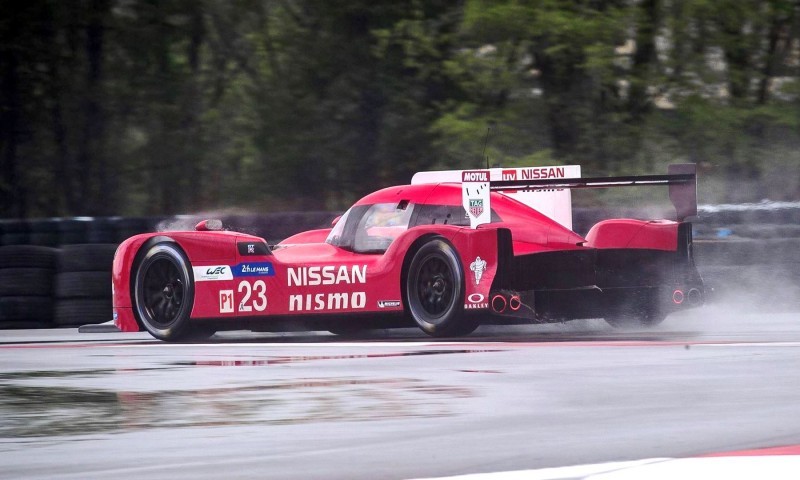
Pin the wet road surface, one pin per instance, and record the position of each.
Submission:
(395, 404)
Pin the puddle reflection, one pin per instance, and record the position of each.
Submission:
(34, 411)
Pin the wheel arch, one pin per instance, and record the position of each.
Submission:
(137, 260)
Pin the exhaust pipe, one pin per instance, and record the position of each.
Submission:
(499, 303)
(514, 303)
(695, 297)
(678, 297)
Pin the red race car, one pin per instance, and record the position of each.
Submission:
(446, 253)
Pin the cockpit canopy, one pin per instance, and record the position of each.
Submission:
(371, 228)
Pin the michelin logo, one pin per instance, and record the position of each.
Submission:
(255, 269)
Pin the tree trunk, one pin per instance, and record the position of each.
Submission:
(98, 196)
(12, 201)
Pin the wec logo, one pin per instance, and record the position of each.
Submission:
(211, 273)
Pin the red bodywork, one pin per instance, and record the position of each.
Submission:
(303, 276)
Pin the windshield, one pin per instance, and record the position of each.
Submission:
(380, 225)
(371, 229)
(335, 236)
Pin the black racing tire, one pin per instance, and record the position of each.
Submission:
(74, 312)
(163, 292)
(25, 309)
(198, 334)
(25, 281)
(27, 256)
(83, 285)
(97, 257)
(434, 290)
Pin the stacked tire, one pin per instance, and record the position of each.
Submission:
(26, 286)
(83, 284)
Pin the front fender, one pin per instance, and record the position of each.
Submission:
(477, 249)
(200, 247)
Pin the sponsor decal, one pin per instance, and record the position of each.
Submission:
(478, 266)
(252, 248)
(389, 303)
(327, 301)
(255, 269)
(475, 196)
(212, 273)
(475, 206)
(475, 306)
(475, 176)
(509, 175)
(542, 173)
(226, 301)
(254, 297)
(476, 298)
(327, 275)
(476, 301)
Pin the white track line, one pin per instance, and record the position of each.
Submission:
(775, 467)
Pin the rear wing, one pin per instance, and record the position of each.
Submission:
(681, 179)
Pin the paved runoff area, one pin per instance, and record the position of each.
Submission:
(711, 393)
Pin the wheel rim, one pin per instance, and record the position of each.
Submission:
(163, 292)
(435, 286)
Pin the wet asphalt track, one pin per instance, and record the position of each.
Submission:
(394, 406)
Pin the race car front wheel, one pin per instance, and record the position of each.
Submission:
(434, 290)
(164, 292)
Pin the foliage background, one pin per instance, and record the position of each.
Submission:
(139, 107)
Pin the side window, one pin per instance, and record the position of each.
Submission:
(446, 215)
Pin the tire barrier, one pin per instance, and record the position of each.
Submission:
(74, 230)
(27, 274)
(14, 232)
(71, 231)
(82, 311)
(83, 284)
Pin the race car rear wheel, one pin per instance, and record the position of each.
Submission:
(164, 292)
(434, 290)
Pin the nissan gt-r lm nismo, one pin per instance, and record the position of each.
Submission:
(446, 253)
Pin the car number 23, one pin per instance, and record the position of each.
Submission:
(252, 297)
